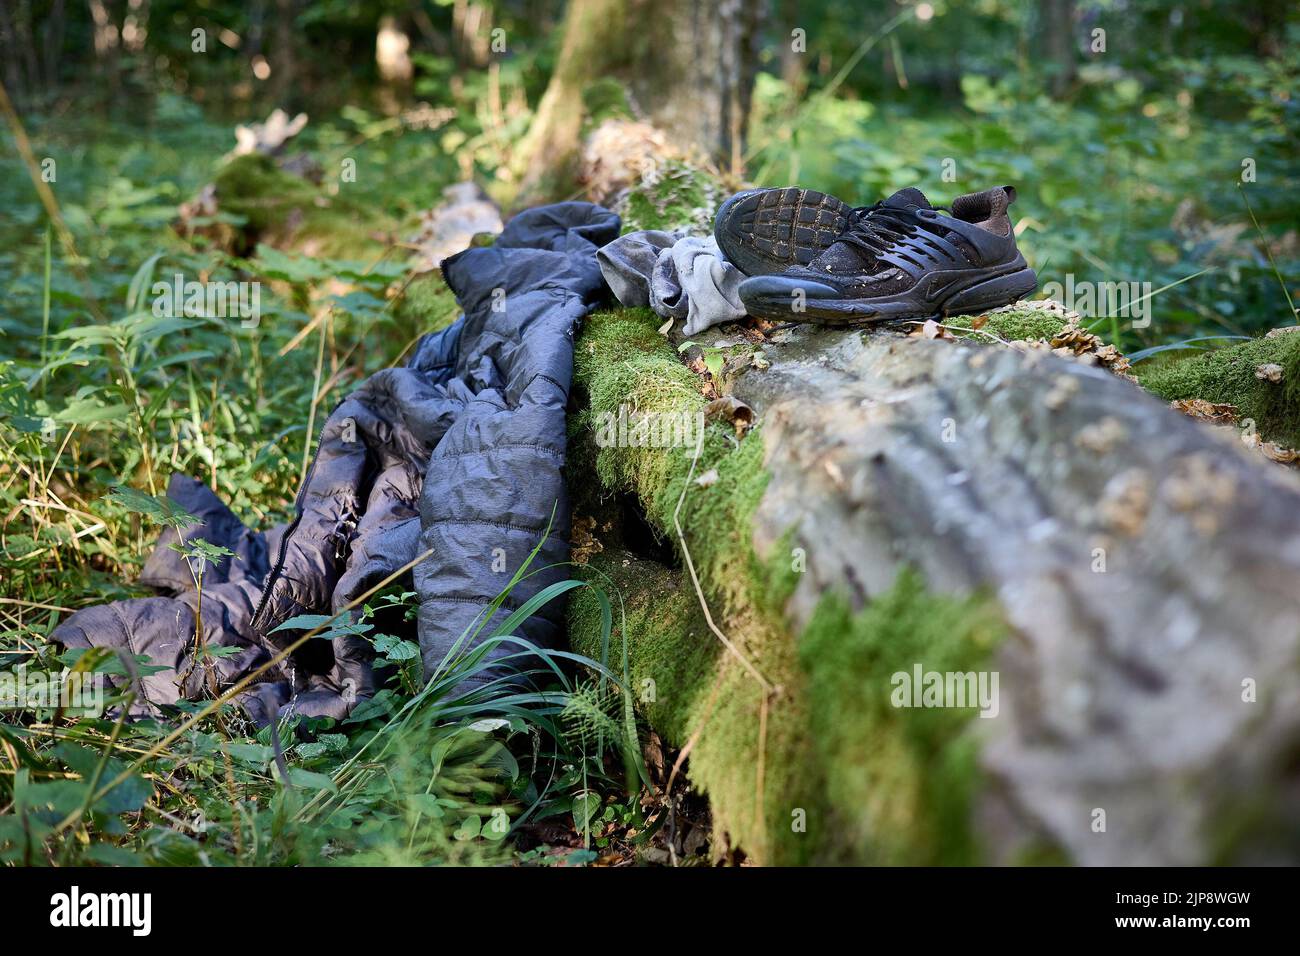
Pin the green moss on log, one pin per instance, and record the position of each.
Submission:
(1228, 375)
(900, 781)
(830, 773)
(671, 654)
(1020, 321)
(680, 196)
(254, 188)
(622, 360)
(603, 99)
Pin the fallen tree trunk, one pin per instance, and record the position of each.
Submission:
(907, 506)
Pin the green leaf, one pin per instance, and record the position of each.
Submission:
(497, 826)
(504, 761)
(274, 264)
(128, 796)
(335, 742)
(91, 334)
(333, 627)
(584, 807)
(469, 828)
(224, 651)
(255, 755)
(200, 549)
(310, 780)
(142, 280)
(384, 704)
(87, 411)
(425, 803)
(396, 649)
(106, 854)
(162, 510)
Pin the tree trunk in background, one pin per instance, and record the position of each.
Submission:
(793, 62)
(1059, 43)
(471, 27)
(52, 42)
(1267, 25)
(12, 75)
(283, 58)
(687, 65)
(135, 25)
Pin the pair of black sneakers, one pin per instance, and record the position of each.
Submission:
(812, 257)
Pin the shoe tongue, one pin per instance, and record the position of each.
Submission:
(908, 196)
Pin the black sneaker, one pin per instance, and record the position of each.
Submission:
(901, 259)
(763, 231)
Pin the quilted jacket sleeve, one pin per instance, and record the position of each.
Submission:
(494, 484)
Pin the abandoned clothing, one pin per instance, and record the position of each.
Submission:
(459, 453)
(628, 262)
(679, 277)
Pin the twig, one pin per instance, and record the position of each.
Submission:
(960, 328)
(694, 738)
(769, 689)
(695, 580)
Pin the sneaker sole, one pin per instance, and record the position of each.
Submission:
(766, 231)
(774, 297)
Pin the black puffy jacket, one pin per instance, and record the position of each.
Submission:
(459, 452)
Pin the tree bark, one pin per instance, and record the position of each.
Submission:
(52, 42)
(687, 66)
(1058, 30)
(1146, 563)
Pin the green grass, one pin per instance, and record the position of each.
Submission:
(425, 776)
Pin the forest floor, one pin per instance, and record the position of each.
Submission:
(99, 391)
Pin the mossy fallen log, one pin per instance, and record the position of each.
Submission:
(957, 508)
(1232, 376)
